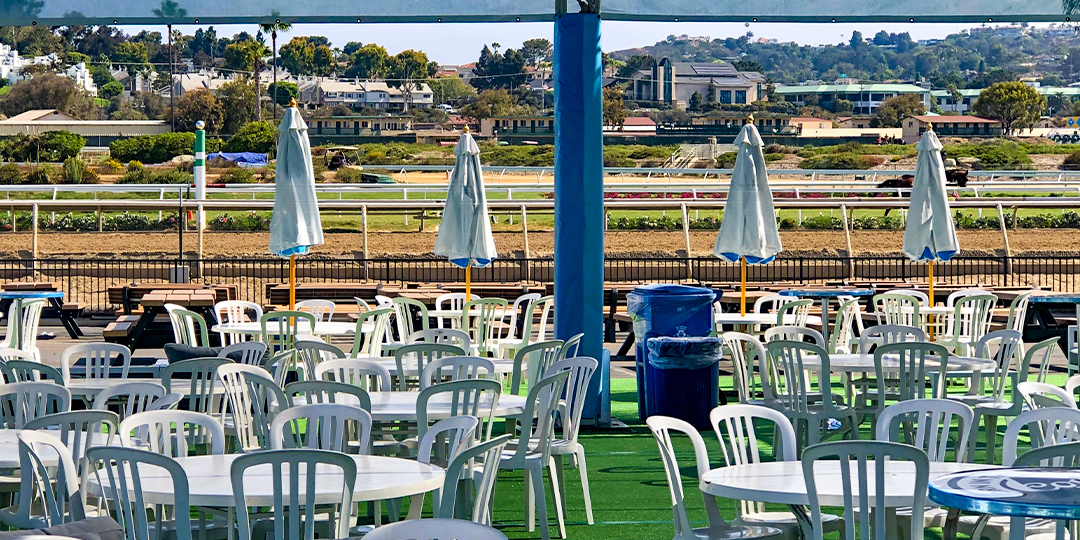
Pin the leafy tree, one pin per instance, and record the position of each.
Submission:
(71, 58)
(132, 56)
(985, 79)
(634, 64)
(253, 137)
(843, 107)
(499, 70)
(895, 109)
(20, 8)
(450, 90)
(198, 105)
(125, 110)
(324, 62)
(748, 65)
(100, 74)
(100, 42)
(111, 90)
(244, 55)
(298, 56)
(152, 104)
(614, 110)
(170, 10)
(277, 26)
(537, 50)
(284, 91)
(49, 91)
(1017, 105)
(239, 104)
(856, 41)
(351, 47)
(695, 102)
(882, 38)
(409, 69)
(370, 61)
(491, 103)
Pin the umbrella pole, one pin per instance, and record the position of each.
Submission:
(930, 279)
(742, 264)
(292, 282)
(468, 282)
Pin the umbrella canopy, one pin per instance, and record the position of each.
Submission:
(295, 226)
(465, 231)
(930, 234)
(749, 227)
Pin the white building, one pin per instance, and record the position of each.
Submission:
(358, 94)
(12, 65)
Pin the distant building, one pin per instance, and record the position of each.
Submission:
(12, 64)
(639, 124)
(360, 125)
(950, 126)
(947, 102)
(864, 97)
(42, 120)
(803, 123)
(464, 71)
(189, 82)
(674, 83)
(517, 125)
(371, 94)
(854, 122)
(729, 123)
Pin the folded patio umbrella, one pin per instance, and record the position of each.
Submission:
(295, 225)
(748, 231)
(930, 234)
(465, 232)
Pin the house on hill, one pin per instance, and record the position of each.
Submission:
(674, 83)
(950, 126)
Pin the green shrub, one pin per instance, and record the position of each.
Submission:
(237, 175)
(52, 146)
(250, 222)
(1072, 161)
(618, 161)
(158, 148)
(822, 222)
(76, 171)
(253, 137)
(136, 174)
(840, 161)
(995, 153)
(111, 166)
(170, 176)
(40, 175)
(347, 175)
(774, 156)
(11, 175)
(726, 160)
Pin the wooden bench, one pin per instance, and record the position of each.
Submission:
(129, 297)
(118, 330)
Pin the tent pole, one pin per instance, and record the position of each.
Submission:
(292, 282)
(742, 264)
(468, 282)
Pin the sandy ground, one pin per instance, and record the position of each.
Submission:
(242, 244)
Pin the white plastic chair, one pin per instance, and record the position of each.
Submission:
(100, 359)
(444, 336)
(79, 430)
(545, 328)
(31, 319)
(435, 529)
(251, 353)
(848, 318)
(884, 334)
(805, 395)
(325, 426)
(366, 374)
(456, 368)
(483, 316)
(857, 455)
(443, 442)
(414, 357)
(253, 400)
(134, 397)
(173, 433)
(127, 499)
(313, 353)
(1039, 395)
(1071, 384)
(189, 327)
(49, 495)
(25, 401)
(322, 310)
(956, 296)
(472, 397)
(897, 309)
(1046, 427)
(451, 302)
(662, 428)
(477, 465)
(233, 312)
(525, 307)
(794, 333)
(744, 350)
(581, 369)
(772, 304)
(923, 298)
(369, 344)
(990, 403)
(531, 362)
(969, 322)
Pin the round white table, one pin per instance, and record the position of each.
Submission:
(737, 319)
(9, 446)
(502, 366)
(209, 481)
(864, 363)
(322, 328)
(401, 406)
(88, 388)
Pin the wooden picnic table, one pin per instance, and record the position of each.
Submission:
(64, 310)
(153, 304)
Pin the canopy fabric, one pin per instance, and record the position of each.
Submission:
(296, 225)
(930, 234)
(465, 231)
(749, 226)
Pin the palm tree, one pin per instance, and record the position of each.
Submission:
(273, 28)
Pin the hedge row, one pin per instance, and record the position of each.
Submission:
(73, 171)
(158, 148)
(1066, 220)
(124, 222)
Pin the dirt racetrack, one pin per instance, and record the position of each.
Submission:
(648, 243)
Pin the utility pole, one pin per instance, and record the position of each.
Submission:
(172, 85)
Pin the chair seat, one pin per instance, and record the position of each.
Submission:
(785, 518)
(997, 528)
(737, 532)
(562, 447)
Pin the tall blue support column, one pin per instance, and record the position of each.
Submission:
(579, 187)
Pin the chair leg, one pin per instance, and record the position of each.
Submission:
(530, 503)
(991, 437)
(416, 506)
(557, 493)
(537, 475)
(583, 471)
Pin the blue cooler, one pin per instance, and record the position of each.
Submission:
(682, 387)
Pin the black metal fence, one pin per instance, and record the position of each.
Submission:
(90, 280)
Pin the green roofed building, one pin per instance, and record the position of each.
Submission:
(864, 97)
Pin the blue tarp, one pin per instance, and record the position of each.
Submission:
(244, 159)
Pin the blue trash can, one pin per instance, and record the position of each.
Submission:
(673, 311)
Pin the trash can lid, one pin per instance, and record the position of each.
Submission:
(665, 289)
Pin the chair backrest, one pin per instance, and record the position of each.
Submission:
(1018, 312)
(99, 360)
(370, 343)
(479, 463)
(312, 353)
(927, 424)
(912, 379)
(456, 368)
(771, 303)
(26, 401)
(538, 421)
(923, 298)
(884, 334)
(189, 328)
(445, 439)
(1046, 427)
(123, 468)
(322, 310)
(972, 316)
(735, 428)
(324, 426)
(795, 386)
(545, 328)
(329, 392)
(662, 428)
(537, 357)
(435, 529)
(281, 364)
(31, 371)
(173, 433)
(898, 308)
(794, 333)
(858, 509)
(1040, 352)
(280, 328)
(236, 311)
(251, 353)
(366, 374)
(451, 302)
(30, 318)
(254, 399)
(525, 308)
(8, 354)
(444, 336)
(1071, 384)
(744, 350)
(572, 346)
(168, 402)
(847, 319)
(133, 397)
(1006, 357)
(414, 357)
(1065, 455)
(407, 313)
(794, 313)
(199, 377)
(50, 478)
(482, 315)
(956, 296)
(470, 397)
(581, 370)
(79, 430)
(291, 506)
(1039, 395)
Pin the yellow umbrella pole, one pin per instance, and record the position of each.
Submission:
(468, 281)
(292, 282)
(930, 278)
(742, 263)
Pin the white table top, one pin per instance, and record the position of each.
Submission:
(401, 406)
(781, 482)
(502, 366)
(210, 484)
(92, 387)
(757, 318)
(9, 447)
(322, 328)
(456, 313)
(865, 363)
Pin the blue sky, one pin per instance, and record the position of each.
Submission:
(461, 43)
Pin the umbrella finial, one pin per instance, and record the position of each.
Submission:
(466, 128)
(292, 102)
(750, 119)
(930, 126)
